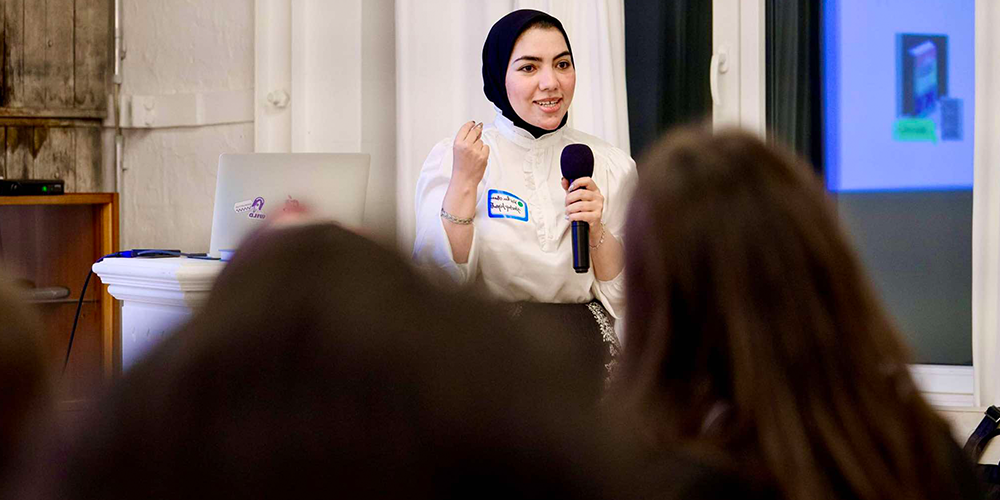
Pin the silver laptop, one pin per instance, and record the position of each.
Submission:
(252, 188)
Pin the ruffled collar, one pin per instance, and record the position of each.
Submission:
(522, 137)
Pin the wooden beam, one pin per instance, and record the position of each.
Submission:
(91, 114)
(49, 122)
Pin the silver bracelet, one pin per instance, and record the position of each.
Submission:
(455, 220)
(604, 231)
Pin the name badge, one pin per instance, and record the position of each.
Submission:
(504, 205)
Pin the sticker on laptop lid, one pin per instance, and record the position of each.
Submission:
(504, 205)
(254, 206)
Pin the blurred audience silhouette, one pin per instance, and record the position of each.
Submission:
(323, 363)
(753, 333)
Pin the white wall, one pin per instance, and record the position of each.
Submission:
(181, 48)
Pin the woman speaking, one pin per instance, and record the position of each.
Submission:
(493, 208)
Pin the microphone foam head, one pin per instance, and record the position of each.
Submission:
(577, 161)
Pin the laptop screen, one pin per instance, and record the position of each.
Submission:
(251, 188)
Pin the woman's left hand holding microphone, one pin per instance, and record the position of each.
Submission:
(584, 202)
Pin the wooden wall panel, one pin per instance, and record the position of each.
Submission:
(93, 46)
(57, 156)
(3, 143)
(13, 71)
(59, 80)
(89, 171)
(54, 85)
(57, 55)
(20, 160)
(4, 54)
(36, 67)
(72, 154)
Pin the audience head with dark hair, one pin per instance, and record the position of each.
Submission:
(322, 363)
(25, 395)
(753, 331)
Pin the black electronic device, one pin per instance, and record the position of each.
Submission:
(31, 187)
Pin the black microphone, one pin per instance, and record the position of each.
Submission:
(577, 161)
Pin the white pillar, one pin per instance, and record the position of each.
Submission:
(272, 76)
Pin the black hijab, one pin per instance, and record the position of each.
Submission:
(496, 55)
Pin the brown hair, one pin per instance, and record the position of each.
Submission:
(745, 295)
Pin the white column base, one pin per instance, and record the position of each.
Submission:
(158, 296)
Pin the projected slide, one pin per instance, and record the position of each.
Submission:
(899, 86)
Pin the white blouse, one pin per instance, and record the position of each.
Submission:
(522, 247)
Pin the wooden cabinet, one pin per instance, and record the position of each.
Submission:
(52, 241)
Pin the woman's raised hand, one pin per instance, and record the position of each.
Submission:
(470, 154)
(459, 201)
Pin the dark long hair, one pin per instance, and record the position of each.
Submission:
(747, 301)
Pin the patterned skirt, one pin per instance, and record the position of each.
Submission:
(590, 323)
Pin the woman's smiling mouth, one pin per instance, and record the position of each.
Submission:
(549, 105)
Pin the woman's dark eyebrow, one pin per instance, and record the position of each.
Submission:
(528, 58)
(539, 59)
